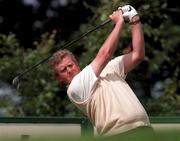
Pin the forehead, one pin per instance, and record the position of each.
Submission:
(65, 60)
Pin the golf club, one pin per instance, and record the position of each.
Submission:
(16, 79)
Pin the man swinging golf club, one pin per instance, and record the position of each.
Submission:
(100, 89)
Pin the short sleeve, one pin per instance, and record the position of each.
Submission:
(82, 85)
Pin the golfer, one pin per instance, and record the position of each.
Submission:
(100, 90)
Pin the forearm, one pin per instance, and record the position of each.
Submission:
(133, 58)
(112, 41)
(137, 38)
(107, 50)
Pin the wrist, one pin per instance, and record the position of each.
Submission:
(135, 20)
(120, 23)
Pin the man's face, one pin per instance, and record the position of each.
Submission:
(66, 70)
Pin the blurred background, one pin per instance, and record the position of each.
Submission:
(30, 30)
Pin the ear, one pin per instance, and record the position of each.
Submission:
(56, 76)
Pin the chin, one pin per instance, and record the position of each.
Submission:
(67, 82)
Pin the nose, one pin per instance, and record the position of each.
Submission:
(68, 70)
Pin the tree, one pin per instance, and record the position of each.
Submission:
(28, 19)
(155, 80)
(39, 94)
(43, 95)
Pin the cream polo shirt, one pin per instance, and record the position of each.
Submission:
(107, 100)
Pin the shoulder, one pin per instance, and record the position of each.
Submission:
(117, 59)
(84, 78)
(82, 85)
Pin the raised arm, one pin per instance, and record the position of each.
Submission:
(108, 48)
(137, 54)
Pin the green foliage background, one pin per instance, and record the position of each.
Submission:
(41, 95)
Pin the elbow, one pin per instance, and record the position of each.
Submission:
(140, 53)
(139, 57)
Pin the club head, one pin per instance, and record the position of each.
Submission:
(16, 82)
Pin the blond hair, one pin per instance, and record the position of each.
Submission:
(59, 55)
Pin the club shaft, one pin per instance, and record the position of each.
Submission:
(65, 46)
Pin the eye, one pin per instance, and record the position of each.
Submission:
(70, 65)
(62, 70)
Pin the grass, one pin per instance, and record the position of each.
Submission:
(172, 135)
